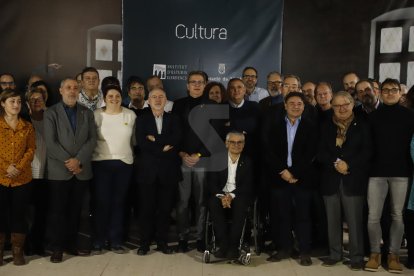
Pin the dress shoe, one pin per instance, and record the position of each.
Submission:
(278, 256)
(232, 253)
(330, 262)
(56, 257)
(78, 252)
(201, 245)
(221, 253)
(305, 260)
(143, 250)
(117, 249)
(356, 266)
(164, 248)
(96, 250)
(182, 246)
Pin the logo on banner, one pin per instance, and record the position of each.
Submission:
(222, 68)
(170, 71)
(160, 70)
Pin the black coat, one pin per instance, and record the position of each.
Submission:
(151, 160)
(274, 138)
(356, 152)
(244, 179)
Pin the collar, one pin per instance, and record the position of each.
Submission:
(236, 105)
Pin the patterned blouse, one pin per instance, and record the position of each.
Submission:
(16, 147)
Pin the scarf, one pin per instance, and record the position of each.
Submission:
(342, 128)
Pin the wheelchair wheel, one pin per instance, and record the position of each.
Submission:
(245, 259)
(206, 257)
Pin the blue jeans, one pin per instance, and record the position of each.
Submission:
(378, 188)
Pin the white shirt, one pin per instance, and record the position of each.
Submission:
(232, 104)
(258, 94)
(39, 160)
(158, 122)
(231, 176)
(115, 135)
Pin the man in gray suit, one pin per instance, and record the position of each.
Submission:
(70, 135)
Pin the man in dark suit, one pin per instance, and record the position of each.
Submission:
(290, 142)
(230, 189)
(158, 134)
(70, 136)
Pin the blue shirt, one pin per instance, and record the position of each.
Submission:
(71, 113)
(291, 133)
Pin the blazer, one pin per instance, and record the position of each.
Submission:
(274, 138)
(356, 152)
(216, 181)
(62, 143)
(151, 159)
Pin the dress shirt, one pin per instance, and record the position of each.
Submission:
(158, 122)
(291, 133)
(231, 177)
(71, 113)
(257, 94)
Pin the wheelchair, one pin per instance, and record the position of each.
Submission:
(254, 219)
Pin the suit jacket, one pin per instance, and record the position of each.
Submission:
(151, 159)
(62, 143)
(274, 138)
(244, 179)
(356, 152)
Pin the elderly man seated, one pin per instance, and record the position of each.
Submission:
(230, 190)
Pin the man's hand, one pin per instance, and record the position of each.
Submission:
(151, 138)
(72, 164)
(288, 177)
(167, 148)
(12, 172)
(190, 160)
(226, 201)
(341, 166)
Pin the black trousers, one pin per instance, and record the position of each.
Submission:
(228, 235)
(40, 203)
(14, 205)
(157, 199)
(66, 198)
(290, 211)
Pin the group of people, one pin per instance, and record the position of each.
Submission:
(306, 154)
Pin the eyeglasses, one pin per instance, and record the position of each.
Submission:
(195, 83)
(388, 91)
(338, 106)
(235, 143)
(36, 100)
(249, 76)
(7, 83)
(274, 82)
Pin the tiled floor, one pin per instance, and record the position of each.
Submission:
(179, 264)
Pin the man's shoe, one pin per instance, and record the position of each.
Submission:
(164, 248)
(278, 256)
(201, 245)
(117, 249)
(78, 252)
(330, 262)
(56, 257)
(305, 260)
(143, 250)
(232, 253)
(356, 266)
(182, 246)
(96, 250)
(221, 253)
(394, 265)
(373, 263)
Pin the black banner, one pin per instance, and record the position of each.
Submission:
(172, 38)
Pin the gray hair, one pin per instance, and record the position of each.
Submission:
(343, 94)
(237, 133)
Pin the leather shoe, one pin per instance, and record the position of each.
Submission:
(143, 250)
(164, 248)
(221, 253)
(232, 253)
(56, 257)
(305, 260)
(78, 252)
(278, 256)
(182, 246)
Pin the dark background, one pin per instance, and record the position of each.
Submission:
(322, 39)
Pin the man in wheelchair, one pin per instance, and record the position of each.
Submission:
(230, 191)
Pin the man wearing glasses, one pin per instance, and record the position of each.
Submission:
(392, 127)
(253, 93)
(274, 87)
(191, 150)
(7, 82)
